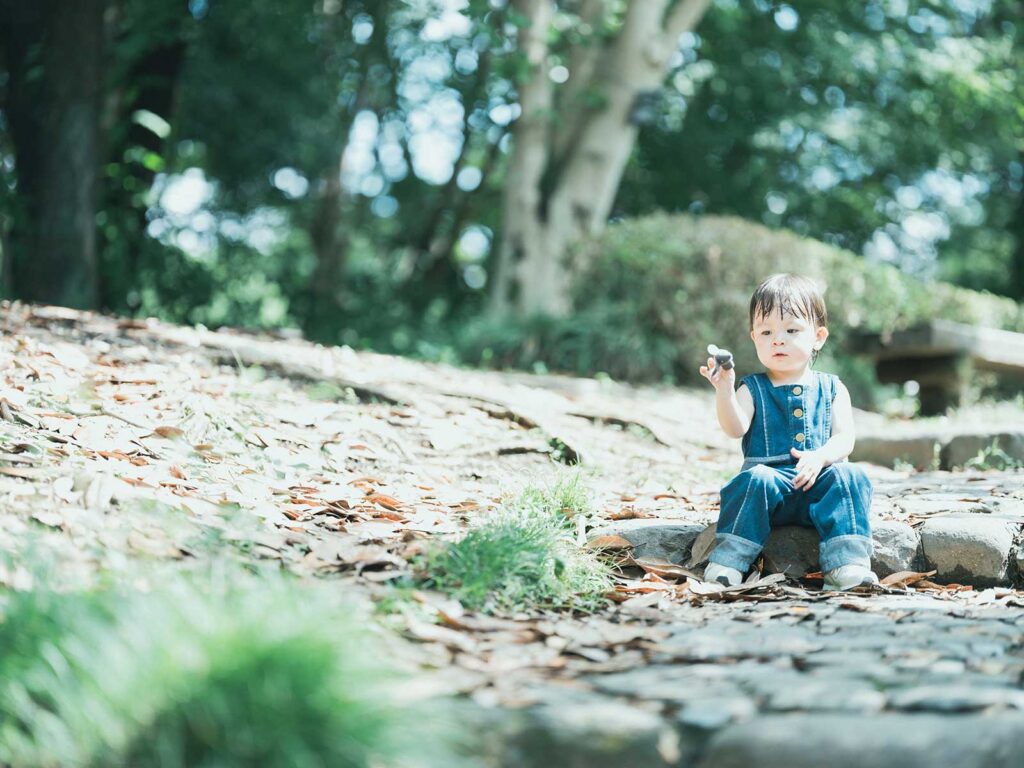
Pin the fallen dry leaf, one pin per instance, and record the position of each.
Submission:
(702, 547)
(387, 502)
(629, 513)
(609, 543)
(26, 473)
(664, 569)
(905, 578)
(435, 633)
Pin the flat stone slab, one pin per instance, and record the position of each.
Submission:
(654, 538)
(921, 451)
(941, 449)
(578, 728)
(957, 698)
(885, 740)
(827, 695)
(964, 448)
(897, 548)
(969, 549)
(712, 712)
(926, 504)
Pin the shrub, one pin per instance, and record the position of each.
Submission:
(658, 289)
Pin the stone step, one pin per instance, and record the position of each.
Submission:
(964, 548)
(940, 449)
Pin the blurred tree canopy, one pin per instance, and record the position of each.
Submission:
(894, 127)
(350, 166)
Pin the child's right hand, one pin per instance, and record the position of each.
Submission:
(720, 378)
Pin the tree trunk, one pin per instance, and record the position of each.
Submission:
(150, 84)
(329, 245)
(1016, 287)
(522, 252)
(55, 128)
(328, 234)
(558, 192)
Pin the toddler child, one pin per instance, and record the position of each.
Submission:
(797, 430)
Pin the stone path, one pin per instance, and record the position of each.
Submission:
(880, 681)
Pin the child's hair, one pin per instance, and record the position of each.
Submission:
(789, 294)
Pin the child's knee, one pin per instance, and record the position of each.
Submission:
(758, 475)
(853, 476)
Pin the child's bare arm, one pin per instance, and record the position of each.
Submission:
(840, 445)
(735, 408)
(736, 412)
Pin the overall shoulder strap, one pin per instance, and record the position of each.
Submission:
(831, 387)
(751, 381)
(760, 423)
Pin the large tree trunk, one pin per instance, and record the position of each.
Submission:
(327, 238)
(55, 128)
(561, 186)
(522, 252)
(1016, 287)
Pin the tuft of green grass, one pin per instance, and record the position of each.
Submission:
(565, 500)
(248, 675)
(523, 556)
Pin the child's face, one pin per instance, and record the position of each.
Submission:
(785, 343)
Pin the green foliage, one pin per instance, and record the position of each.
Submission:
(844, 121)
(660, 288)
(223, 288)
(993, 457)
(523, 556)
(600, 337)
(186, 676)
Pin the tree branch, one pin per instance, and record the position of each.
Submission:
(535, 94)
(684, 17)
(583, 61)
(530, 152)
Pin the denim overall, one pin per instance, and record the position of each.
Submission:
(762, 496)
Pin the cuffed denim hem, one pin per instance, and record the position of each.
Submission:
(846, 550)
(734, 551)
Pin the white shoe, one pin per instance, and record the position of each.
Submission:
(727, 577)
(849, 576)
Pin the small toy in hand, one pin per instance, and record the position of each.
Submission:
(723, 358)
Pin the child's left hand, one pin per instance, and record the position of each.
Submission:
(808, 466)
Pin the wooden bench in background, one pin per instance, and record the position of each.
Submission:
(943, 358)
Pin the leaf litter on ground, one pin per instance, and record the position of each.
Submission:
(174, 456)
